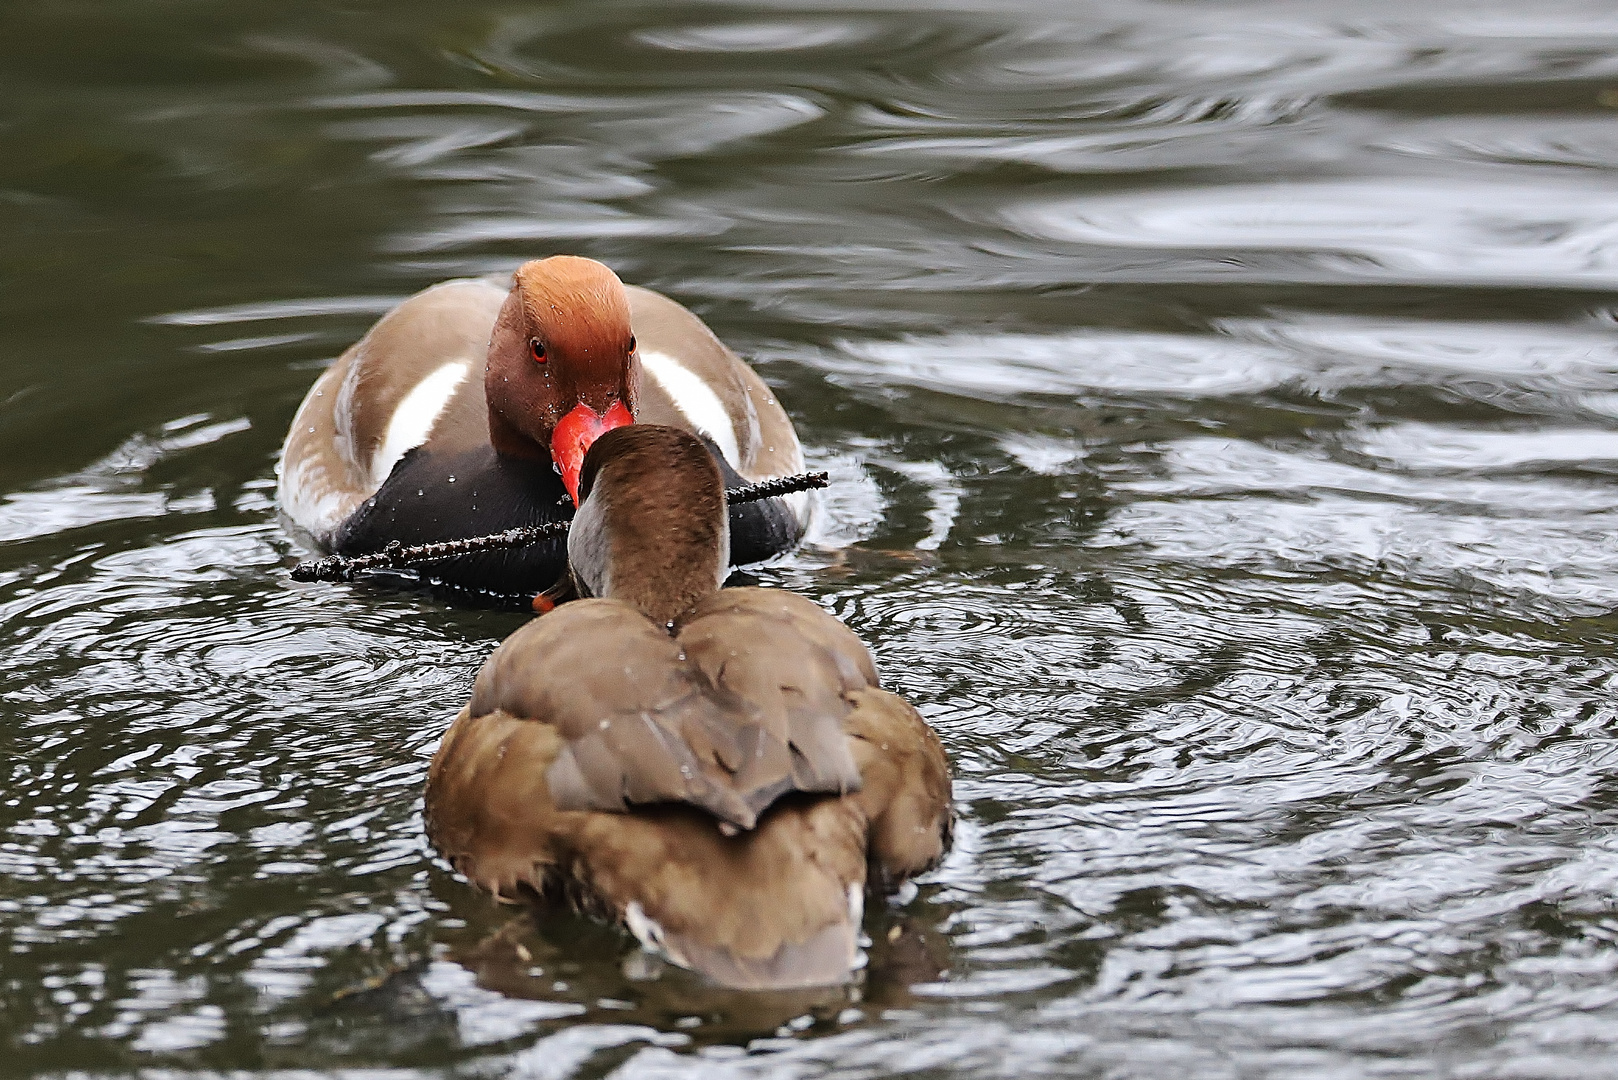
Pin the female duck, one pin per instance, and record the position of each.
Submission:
(718, 770)
(469, 407)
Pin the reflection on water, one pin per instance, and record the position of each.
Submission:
(1222, 405)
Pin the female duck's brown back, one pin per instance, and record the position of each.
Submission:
(719, 797)
(721, 776)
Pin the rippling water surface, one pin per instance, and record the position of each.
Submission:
(1222, 401)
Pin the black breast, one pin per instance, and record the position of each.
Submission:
(433, 496)
(758, 530)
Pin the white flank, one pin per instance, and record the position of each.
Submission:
(413, 420)
(798, 502)
(313, 502)
(308, 493)
(651, 935)
(695, 401)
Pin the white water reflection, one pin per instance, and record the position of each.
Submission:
(1410, 230)
(1546, 368)
(783, 35)
(1382, 351)
(1439, 447)
(108, 490)
(1007, 365)
(1515, 542)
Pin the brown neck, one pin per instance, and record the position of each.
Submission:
(663, 593)
(653, 530)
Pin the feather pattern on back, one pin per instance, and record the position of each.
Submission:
(741, 705)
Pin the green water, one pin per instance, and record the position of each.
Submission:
(1222, 406)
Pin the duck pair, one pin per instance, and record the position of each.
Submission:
(716, 769)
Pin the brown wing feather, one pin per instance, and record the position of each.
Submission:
(446, 323)
(745, 704)
(788, 665)
(749, 910)
(612, 685)
(907, 793)
(764, 434)
(488, 809)
(326, 465)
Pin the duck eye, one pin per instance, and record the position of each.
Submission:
(631, 343)
(536, 348)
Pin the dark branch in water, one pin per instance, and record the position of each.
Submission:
(781, 485)
(396, 555)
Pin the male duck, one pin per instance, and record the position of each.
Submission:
(468, 409)
(716, 769)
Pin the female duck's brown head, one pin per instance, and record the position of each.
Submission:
(562, 366)
(652, 527)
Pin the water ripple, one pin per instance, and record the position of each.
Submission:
(1220, 402)
(1392, 231)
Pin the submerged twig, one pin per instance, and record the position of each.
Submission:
(396, 555)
